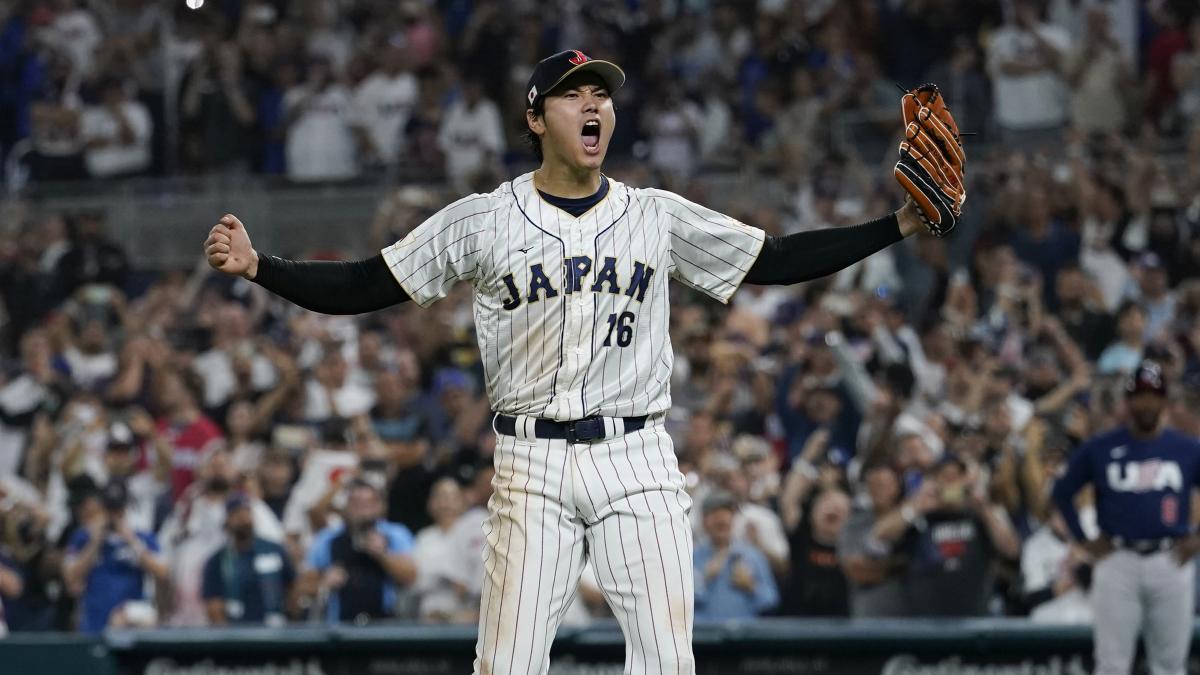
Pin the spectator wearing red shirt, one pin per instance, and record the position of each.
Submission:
(1170, 41)
(190, 434)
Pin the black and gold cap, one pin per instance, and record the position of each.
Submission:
(552, 70)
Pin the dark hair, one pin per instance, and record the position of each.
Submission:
(900, 379)
(1129, 306)
(535, 141)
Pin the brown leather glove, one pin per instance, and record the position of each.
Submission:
(932, 161)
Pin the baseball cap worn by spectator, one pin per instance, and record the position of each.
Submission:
(1147, 378)
(115, 496)
(120, 437)
(236, 501)
(1150, 261)
(451, 378)
(553, 70)
(719, 500)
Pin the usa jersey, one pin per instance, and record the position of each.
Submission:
(572, 314)
(1143, 487)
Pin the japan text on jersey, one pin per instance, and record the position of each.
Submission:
(572, 314)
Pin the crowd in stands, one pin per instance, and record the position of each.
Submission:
(333, 90)
(182, 449)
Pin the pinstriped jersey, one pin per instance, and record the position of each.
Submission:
(572, 314)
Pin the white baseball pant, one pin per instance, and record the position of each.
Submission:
(621, 502)
(1150, 595)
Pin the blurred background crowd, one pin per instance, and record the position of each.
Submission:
(181, 449)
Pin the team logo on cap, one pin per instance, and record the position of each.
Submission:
(579, 58)
(532, 93)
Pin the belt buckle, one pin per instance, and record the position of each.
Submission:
(585, 430)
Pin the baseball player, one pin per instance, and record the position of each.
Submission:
(570, 270)
(1143, 475)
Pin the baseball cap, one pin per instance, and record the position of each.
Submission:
(120, 437)
(719, 500)
(237, 500)
(114, 496)
(1150, 260)
(451, 378)
(552, 70)
(1147, 377)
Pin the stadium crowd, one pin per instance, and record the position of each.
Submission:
(181, 449)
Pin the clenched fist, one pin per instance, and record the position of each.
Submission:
(228, 248)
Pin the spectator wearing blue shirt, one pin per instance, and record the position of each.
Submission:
(733, 579)
(1043, 242)
(1125, 353)
(107, 563)
(1155, 296)
(362, 565)
(249, 580)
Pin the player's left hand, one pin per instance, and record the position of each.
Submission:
(932, 161)
(1186, 549)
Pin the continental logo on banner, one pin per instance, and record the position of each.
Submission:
(905, 664)
(166, 666)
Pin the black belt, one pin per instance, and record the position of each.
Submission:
(1145, 546)
(576, 431)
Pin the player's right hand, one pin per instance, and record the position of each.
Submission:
(228, 248)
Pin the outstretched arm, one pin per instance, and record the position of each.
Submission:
(320, 286)
(332, 287)
(811, 255)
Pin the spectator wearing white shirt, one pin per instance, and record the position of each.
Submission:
(1099, 78)
(1185, 75)
(75, 33)
(331, 393)
(232, 353)
(471, 137)
(55, 125)
(444, 563)
(1024, 58)
(673, 125)
(382, 104)
(124, 462)
(23, 394)
(315, 500)
(320, 144)
(91, 360)
(116, 133)
(756, 524)
(196, 529)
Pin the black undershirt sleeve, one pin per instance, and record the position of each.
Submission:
(331, 287)
(811, 255)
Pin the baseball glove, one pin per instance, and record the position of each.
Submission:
(932, 162)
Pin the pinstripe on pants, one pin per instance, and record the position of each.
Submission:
(624, 496)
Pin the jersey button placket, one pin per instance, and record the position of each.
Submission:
(570, 328)
(579, 302)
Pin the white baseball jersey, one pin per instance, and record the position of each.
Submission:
(572, 319)
(572, 313)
